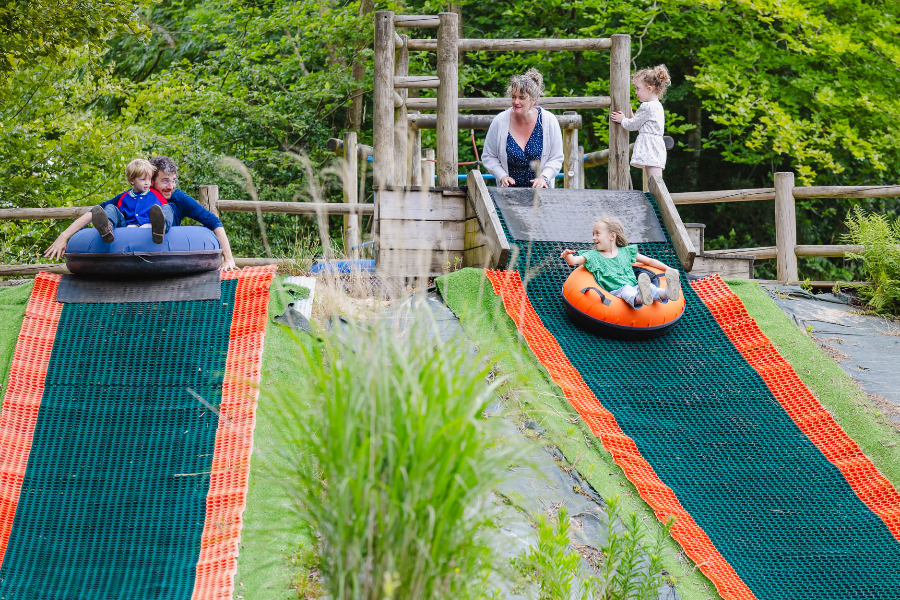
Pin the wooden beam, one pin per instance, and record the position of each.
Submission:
(297, 208)
(428, 166)
(785, 227)
(7, 270)
(446, 132)
(60, 212)
(337, 146)
(421, 21)
(414, 154)
(420, 82)
(209, 198)
(677, 231)
(383, 93)
(517, 44)
(848, 191)
(760, 253)
(620, 91)
(834, 250)
(486, 214)
(420, 121)
(748, 195)
(570, 164)
(548, 102)
(351, 222)
(401, 122)
(398, 41)
(581, 183)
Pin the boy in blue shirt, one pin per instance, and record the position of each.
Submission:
(141, 206)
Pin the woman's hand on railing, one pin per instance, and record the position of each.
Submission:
(539, 182)
(507, 181)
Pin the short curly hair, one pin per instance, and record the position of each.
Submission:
(164, 164)
(530, 84)
(657, 78)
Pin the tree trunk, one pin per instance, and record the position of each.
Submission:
(358, 72)
(695, 145)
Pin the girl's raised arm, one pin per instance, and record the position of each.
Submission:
(651, 261)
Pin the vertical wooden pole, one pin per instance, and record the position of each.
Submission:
(351, 222)
(619, 94)
(415, 156)
(428, 168)
(383, 92)
(401, 123)
(209, 198)
(570, 156)
(645, 182)
(447, 134)
(581, 183)
(785, 227)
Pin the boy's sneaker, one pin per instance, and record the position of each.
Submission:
(644, 287)
(157, 223)
(673, 285)
(102, 224)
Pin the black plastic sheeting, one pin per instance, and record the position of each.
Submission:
(84, 290)
(569, 215)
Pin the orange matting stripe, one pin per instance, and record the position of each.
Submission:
(797, 401)
(227, 496)
(24, 391)
(624, 451)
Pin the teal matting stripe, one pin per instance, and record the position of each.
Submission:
(780, 513)
(114, 497)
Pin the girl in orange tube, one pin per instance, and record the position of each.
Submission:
(609, 261)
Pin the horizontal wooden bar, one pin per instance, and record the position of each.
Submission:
(548, 102)
(760, 253)
(6, 270)
(421, 21)
(517, 44)
(724, 196)
(847, 191)
(826, 250)
(420, 121)
(337, 145)
(296, 208)
(420, 82)
(58, 212)
(815, 284)
(398, 99)
(398, 41)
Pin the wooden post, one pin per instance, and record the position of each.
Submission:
(401, 123)
(447, 134)
(209, 198)
(619, 93)
(645, 185)
(351, 222)
(684, 247)
(581, 183)
(428, 168)
(570, 156)
(414, 153)
(383, 92)
(785, 228)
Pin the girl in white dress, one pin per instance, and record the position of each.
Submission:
(649, 149)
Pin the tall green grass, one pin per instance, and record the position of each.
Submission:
(391, 462)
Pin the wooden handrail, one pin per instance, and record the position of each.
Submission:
(548, 102)
(805, 192)
(515, 44)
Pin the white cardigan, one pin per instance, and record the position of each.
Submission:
(494, 154)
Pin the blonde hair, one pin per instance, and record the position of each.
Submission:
(613, 225)
(657, 78)
(138, 167)
(530, 84)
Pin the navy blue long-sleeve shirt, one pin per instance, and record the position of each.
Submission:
(185, 206)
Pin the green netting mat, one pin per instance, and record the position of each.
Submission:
(114, 497)
(781, 514)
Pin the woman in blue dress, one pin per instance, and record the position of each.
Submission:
(524, 143)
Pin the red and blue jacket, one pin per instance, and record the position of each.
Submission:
(136, 207)
(183, 206)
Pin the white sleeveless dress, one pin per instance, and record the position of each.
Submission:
(649, 149)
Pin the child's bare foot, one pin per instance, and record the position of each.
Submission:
(673, 284)
(644, 287)
(102, 224)
(157, 223)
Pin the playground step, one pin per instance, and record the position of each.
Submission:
(724, 263)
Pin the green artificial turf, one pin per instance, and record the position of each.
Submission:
(836, 390)
(271, 538)
(470, 296)
(12, 311)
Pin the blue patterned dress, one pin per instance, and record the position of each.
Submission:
(519, 162)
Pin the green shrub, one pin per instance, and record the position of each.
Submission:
(392, 462)
(880, 258)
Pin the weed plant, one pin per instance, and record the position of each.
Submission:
(880, 258)
(392, 462)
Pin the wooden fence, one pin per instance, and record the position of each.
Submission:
(785, 194)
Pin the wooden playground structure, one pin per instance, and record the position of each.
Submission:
(425, 223)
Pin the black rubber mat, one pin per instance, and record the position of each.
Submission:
(569, 215)
(81, 290)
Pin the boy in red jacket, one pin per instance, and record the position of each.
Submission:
(140, 206)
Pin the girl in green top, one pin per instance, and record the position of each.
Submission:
(610, 264)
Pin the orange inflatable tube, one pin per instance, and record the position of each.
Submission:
(598, 311)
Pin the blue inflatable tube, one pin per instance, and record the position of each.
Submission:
(186, 249)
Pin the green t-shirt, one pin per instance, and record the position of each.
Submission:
(611, 273)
